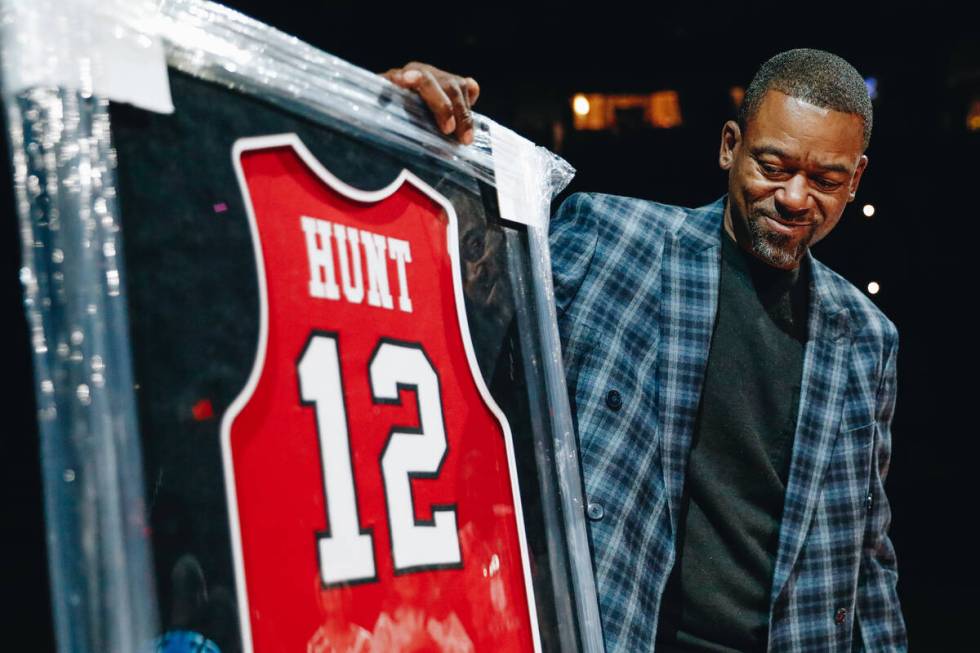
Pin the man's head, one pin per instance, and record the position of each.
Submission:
(796, 154)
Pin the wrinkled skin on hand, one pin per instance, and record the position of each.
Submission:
(448, 96)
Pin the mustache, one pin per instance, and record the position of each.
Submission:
(781, 217)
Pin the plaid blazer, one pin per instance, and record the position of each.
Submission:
(636, 288)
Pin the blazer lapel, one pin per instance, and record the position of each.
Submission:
(689, 303)
(825, 367)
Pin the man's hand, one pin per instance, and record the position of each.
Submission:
(448, 96)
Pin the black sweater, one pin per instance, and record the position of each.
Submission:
(717, 597)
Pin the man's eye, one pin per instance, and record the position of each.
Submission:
(827, 184)
(770, 169)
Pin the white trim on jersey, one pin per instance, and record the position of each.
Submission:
(292, 140)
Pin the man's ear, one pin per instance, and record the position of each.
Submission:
(856, 179)
(731, 137)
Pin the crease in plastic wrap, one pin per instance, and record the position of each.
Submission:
(108, 48)
(216, 43)
(526, 184)
(74, 297)
(65, 183)
(61, 61)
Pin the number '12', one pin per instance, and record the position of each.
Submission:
(345, 552)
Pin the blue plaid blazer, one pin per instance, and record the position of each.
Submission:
(636, 288)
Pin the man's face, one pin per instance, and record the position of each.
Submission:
(790, 175)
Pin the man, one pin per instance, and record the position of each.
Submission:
(733, 396)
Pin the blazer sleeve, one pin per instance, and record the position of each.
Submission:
(879, 615)
(572, 238)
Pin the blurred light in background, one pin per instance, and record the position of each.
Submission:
(580, 105)
(600, 111)
(873, 288)
(973, 116)
(737, 93)
(665, 109)
(872, 84)
(868, 210)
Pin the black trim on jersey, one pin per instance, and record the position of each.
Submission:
(414, 430)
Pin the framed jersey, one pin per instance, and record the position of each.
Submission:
(385, 385)
(294, 355)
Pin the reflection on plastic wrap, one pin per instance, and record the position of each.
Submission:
(209, 345)
(486, 283)
(66, 200)
(194, 612)
(402, 627)
(194, 298)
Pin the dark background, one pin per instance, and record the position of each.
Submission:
(920, 245)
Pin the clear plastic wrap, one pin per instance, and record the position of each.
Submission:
(76, 308)
(110, 49)
(81, 164)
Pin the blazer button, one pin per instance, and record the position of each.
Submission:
(870, 502)
(595, 511)
(841, 615)
(614, 400)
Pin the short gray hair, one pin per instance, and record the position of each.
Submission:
(820, 78)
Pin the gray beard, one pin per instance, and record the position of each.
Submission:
(774, 248)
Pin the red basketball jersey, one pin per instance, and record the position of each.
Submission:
(371, 481)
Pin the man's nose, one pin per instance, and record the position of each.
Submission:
(793, 196)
